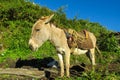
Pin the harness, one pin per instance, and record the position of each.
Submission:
(80, 39)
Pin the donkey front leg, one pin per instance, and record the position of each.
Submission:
(67, 63)
(61, 64)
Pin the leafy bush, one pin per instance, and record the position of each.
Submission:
(109, 42)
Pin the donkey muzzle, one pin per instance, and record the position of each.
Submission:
(32, 45)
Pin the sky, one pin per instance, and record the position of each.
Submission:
(105, 12)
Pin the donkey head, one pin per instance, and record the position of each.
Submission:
(40, 32)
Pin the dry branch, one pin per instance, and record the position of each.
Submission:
(23, 72)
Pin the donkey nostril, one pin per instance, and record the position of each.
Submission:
(30, 46)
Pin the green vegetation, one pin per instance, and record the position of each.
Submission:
(17, 18)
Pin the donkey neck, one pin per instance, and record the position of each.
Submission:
(57, 36)
(54, 31)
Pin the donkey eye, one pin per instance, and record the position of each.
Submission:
(37, 29)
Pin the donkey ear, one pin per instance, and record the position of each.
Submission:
(48, 18)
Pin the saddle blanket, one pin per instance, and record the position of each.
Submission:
(80, 39)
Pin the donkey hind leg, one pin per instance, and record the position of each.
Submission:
(92, 51)
(91, 56)
(61, 64)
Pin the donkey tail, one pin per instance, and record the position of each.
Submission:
(99, 53)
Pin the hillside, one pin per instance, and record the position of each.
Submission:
(18, 16)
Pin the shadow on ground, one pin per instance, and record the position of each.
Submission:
(34, 63)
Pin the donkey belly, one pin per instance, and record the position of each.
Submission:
(77, 51)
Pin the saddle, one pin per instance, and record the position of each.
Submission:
(80, 39)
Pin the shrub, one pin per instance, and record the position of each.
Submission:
(109, 42)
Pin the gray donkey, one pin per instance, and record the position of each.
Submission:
(42, 31)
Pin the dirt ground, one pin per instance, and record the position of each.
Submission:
(50, 73)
